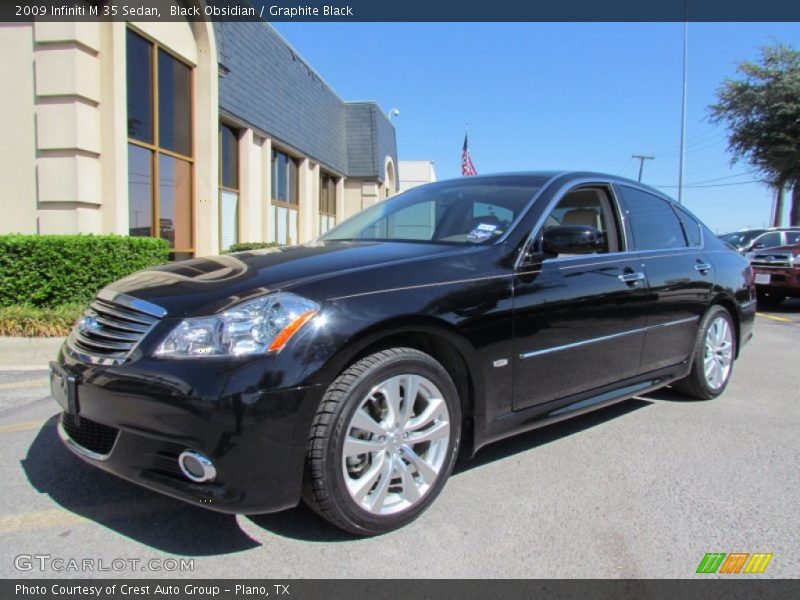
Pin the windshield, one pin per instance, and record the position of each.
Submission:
(464, 211)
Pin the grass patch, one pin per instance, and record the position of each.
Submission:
(38, 321)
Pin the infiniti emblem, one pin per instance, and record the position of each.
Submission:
(87, 324)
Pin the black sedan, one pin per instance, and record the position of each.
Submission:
(352, 371)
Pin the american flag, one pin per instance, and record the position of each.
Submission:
(467, 168)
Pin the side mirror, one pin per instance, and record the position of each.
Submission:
(572, 239)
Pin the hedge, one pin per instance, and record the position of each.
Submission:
(51, 270)
(244, 246)
(39, 321)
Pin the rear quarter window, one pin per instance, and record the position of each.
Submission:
(691, 226)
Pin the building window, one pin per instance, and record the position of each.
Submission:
(160, 140)
(285, 203)
(229, 186)
(327, 202)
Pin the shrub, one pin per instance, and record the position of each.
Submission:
(244, 246)
(37, 321)
(50, 270)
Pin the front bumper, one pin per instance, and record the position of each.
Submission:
(782, 280)
(134, 420)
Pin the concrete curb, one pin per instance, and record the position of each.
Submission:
(26, 354)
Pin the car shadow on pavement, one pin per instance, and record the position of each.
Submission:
(178, 528)
(547, 434)
(302, 523)
(157, 521)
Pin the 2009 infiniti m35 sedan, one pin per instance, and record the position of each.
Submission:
(352, 371)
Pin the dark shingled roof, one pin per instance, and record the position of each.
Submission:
(265, 84)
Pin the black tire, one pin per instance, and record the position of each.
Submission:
(770, 299)
(695, 384)
(324, 487)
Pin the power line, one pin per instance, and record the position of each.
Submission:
(710, 185)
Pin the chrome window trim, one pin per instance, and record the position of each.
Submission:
(604, 338)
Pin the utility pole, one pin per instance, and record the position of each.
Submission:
(683, 99)
(642, 158)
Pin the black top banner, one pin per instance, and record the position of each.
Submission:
(402, 10)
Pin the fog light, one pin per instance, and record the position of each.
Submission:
(196, 466)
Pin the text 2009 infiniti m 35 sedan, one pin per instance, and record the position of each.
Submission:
(351, 371)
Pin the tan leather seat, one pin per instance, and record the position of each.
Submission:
(582, 216)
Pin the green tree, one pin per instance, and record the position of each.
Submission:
(761, 109)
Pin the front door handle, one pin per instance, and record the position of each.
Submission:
(702, 267)
(631, 277)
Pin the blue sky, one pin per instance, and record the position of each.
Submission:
(554, 95)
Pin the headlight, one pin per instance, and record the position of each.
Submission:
(254, 327)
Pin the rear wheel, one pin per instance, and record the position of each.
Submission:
(383, 442)
(714, 354)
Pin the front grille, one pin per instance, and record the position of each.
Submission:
(108, 332)
(772, 260)
(87, 434)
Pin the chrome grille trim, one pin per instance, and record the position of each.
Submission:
(109, 332)
(772, 260)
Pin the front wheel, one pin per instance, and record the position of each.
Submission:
(383, 442)
(714, 354)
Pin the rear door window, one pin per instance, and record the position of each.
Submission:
(654, 224)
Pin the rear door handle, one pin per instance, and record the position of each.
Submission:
(702, 267)
(631, 277)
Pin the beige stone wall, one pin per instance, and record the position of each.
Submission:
(17, 130)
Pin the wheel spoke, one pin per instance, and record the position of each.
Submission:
(378, 497)
(437, 431)
(410, 488)
(355, 447)
(410, 391)
(433, 410)
(711, 366)
(362, 420)
(360, 487)
(391, 392)
(426, 471)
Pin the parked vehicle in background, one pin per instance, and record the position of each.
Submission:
(747, 241)
(777, 274)
(741, 239)
(352, 371)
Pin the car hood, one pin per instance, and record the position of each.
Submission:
(211, 284)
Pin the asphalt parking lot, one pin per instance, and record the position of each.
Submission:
(642, 489)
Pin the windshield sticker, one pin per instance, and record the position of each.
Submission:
(482, 232)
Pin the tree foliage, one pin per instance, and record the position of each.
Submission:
(761, 109)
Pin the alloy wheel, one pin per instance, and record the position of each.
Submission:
(396, 444)
(718, 357)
